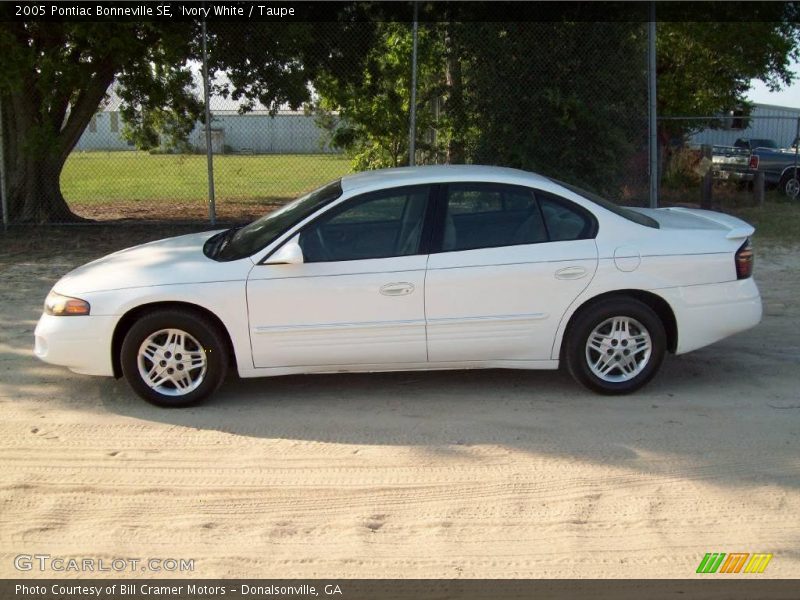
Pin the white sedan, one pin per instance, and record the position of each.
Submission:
(448, 267)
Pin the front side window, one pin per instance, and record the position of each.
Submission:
(377, 225)
(487, 215)
(246, 241)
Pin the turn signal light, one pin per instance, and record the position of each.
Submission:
(64, 306)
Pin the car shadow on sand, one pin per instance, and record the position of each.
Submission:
(727, 414)
(705, 417)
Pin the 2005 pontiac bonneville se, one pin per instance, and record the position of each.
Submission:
(448, 267)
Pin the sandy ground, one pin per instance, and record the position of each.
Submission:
(459, 474)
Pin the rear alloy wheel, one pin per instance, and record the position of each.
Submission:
(173, 358)
(790, 185)
(616, 346)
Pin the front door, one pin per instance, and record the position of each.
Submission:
(359, 296)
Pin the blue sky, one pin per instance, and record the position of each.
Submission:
(789, 96)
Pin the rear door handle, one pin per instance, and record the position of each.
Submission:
(571, 273)
(397, 289)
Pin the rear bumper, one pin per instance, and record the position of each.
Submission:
(725, 175)
(708, 313)
(82, 344)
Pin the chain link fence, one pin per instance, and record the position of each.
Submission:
(566, 99)
(260, 161)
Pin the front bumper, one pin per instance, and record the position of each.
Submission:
(82, 344)
(708, 313)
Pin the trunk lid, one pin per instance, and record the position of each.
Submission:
(699, 219)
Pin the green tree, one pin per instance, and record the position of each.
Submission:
(54, 77)
(541, 96)
(56, 74)
(564, 99)
(373, 105)
(705, 69)
(547, 96)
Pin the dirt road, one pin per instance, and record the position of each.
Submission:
(459, 474)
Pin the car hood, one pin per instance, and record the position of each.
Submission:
(172, 261)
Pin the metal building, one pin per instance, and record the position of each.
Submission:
(765, 121)
(288, 132)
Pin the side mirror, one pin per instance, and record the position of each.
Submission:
(288, 254)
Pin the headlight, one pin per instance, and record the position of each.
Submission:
(64, 306)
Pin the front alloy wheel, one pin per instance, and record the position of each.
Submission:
(615, 346)
(174, 357)
(172, 362)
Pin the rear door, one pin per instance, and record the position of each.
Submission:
(507, 263)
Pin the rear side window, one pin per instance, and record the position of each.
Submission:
(480, 215)
(490, 215)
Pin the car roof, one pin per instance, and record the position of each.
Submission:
(436, 173)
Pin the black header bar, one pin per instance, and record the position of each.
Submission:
(432, 10)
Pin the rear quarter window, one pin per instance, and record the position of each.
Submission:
(565, 220)
(620, 211)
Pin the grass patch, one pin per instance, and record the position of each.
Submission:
(774, 222)
(128, 177)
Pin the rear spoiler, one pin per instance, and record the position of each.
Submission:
(738, 229)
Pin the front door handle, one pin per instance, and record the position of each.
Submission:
(397, 289)
(571, 273)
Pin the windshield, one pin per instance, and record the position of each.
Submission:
(260, 233)
(623, 212)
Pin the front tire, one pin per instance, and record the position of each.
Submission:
(615, 346)
(174, 358)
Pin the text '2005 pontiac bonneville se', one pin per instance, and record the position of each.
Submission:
(448, 267)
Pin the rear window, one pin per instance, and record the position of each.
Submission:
(755, 143)
(625, 213)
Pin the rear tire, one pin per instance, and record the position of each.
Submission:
(174, 357)
(615, 346)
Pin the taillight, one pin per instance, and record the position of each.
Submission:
(753, 161)
(744, 261)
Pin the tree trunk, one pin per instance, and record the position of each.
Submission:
(38, 144)
(33, 168)
(34, 191)
(454, 106)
